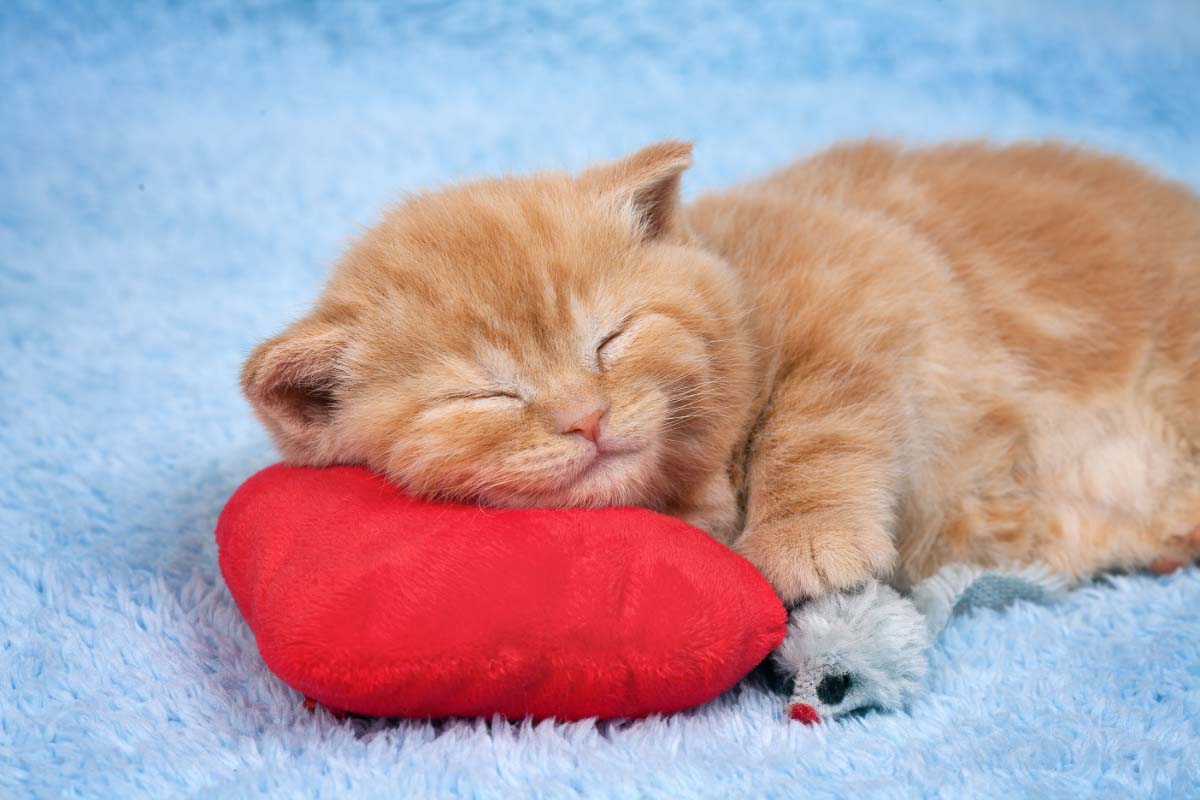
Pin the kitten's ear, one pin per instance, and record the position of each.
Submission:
(294, 381)
(648, 181)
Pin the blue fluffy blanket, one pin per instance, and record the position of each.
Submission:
(174, 180)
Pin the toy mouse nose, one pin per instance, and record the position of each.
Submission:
(803, 712)
(588, 425)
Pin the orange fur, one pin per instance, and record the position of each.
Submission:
(480, 324)
(875, 359)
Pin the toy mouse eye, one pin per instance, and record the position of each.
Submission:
(832, 688)
(777, 677)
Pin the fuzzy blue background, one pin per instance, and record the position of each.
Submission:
(174, 180)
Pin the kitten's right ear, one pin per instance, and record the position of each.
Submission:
(293, 381)
(649, 182)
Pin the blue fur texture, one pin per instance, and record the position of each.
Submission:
(174, 180)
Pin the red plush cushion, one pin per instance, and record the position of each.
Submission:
(374, 602)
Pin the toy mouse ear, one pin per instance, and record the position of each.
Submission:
(648, 183)
(294, 381)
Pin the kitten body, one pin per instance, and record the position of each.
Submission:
(877, 359)
(975, 354)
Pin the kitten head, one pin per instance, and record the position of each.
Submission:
(549, 340)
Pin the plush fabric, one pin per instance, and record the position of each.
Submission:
(372, 601)
(869, 648)
(174, 179)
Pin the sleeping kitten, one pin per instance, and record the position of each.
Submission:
(877, 359)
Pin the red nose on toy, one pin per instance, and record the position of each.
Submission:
(803, 712)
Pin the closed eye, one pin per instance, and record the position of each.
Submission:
(605, 343)
(607, 340)
(498, 394)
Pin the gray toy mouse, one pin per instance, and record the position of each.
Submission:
(870, 648)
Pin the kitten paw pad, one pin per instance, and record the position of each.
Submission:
(1165, 565)
(1184, 549)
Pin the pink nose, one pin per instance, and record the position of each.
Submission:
(588, 425)
(803, 712)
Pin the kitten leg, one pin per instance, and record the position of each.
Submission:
(822, 485)
(712, 507)
(1106, 540)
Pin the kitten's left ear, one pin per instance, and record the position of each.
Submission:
(294, 381)
(648, 181)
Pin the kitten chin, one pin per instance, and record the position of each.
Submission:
(552, 340)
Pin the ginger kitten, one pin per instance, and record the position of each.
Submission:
(877, 359)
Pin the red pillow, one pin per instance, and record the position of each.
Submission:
(375, 602)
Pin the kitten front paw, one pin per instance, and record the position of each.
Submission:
(804, 557)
